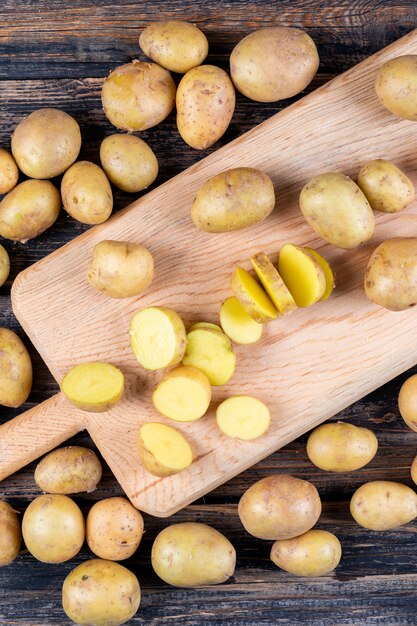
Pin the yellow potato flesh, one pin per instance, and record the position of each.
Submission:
(10, 534)
(341, 447)
(4, 265)
(243, 417)
(158, 337)
(94, 386)
(9, 174)
(163, 450)
(316, 553)
(205, 325)
(183, 394)
(252, 296)
(212, 353)
(302, 274)
(238, 325)
(273, 283)
(328, 273)
(15, 370)
(407, 402)
(383, 504)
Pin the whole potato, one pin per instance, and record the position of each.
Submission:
(232, 200)
(205, 105)
(316, 553)
(340, 447)
(396, 86)
(414, 470)
(10, 534)
(138, 95)
(15, 370)
(46, 143)
(72, 469)
(100, 593)
(176, 45)
(407, 402)
(385, 186)
(4, 265)
(192, 555)
(337, 210)
(53, 528)
(382, 504)
(86, 193)
(128, 162)
(28, 210)
(274, 63)
(279, 507)
(9, 174)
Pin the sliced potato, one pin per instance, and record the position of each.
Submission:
(163, 450)
(302, 274)
(206, 325)
(211, 352)
(10, 534)
(183, 394)
(4, 265)
(252, 296)
(316, 553)
(243, 417)
(328, 273)
(341, 447)
(238, 325)
(383, 504)
(158, 337)
(94, 386)
(67, 470)
(273, 284)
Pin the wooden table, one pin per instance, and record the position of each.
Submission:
(55, 53)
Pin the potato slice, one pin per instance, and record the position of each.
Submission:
(302, 274)
(328, 273)
(163, 450)
(158, 337)
(238, 325)
(183, 394)
(93, 387)
(243, 417)
(211, 352)
(273, 283)
(252, 296)
(205, 325)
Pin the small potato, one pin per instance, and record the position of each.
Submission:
(9, 174)
(238, 325)
(72, 469)
(176, 45)
(46, 143)
(183, 394)
(316, 553)
(396, 86)
(414, 470)
(163, 450)
(129, 162)
(243, 417)
(100, 593)
(407, 402)
(157, 337)
(252, 296)
(302, 274)
(192, 555)
(138, 95)
(4, 265)
(382, 504)
(86, 193)
(114, 529)
(211, 352)
(274, 63)
(273, 284)
(386, 187)
(341, 447)
(279, 507)
(94, 386)
(205, 105)
(120, 269)
(10, 534)
(233, 200)
(15, 370)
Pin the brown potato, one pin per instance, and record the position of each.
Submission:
(316, 553)
(341, 447)
(72, 469)
(15, 370)
(86, 193)
(396, 86)
(382, 504)
(4, 265)
(10, 534)
(385, 186)
(129, 162)
(407, 402)
(9, 174)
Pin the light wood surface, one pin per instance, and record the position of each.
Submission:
(307, 367)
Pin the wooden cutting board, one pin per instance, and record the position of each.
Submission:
(308, 366)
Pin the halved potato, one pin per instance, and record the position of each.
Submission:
(158, 337)
(211, 352)
(302, 274)
(273, 283)
(183, 394)
(163, 450)
(94, 386)
(252, 296)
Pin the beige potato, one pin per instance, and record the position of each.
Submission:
(10, 534)
(163, 450)
(243, 417)
(273, 284)
(120, 269)
(9, 174)
(407, 402)
(46, 143)
(86, 193)
(183, 394)
(396, 86)
(114, 529)
(316, 553)
(302, 274)
(206, 325)
(414, 470)
(382, 504)
(328, 273)
(385, 186)
(252, 296)
(337, 210)
(93, 386)
(138, 95)
(157, 337)
(205, 105)
(233, 200)
(4, 265)
(100, 593)
(274, 63)
(279, 507)
(15, 370)
(176, 45)
(341, 447)
(128, 162)
(191, 554)
(72, 469)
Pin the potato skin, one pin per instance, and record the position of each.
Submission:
(382, 504)
(67, 470)
(414, 470)
(46, 143)
(274, 63)
(15, 370)
(316, 553)
(10, 534)
(407, 402)
(4, 265)
(396, 86)
(279, 507)
(176, 45)
(385, 186)
(128, 162)
(9, 174)
(340, 447)
(205, 105)
(191, 554)
(86, 193)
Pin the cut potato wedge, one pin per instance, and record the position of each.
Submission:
(93, 387)
(302, 274)
(163, 450)
(183, 394)
(252, 296)
(238, 325)
(328, 272)
(158, 337)
(273, 283)
(211, 352)
(243, 417)
(205, 325)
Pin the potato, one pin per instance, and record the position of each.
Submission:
(206, 325)
(100, 593)
(157, 337)
(238, 325)
(252, 296)
(10, 534)
(407, 402)
(114, 529)
(205, 105)
(53, 528)
(233, 200)
(138, 95)
(191, 554)
(4, 265)
(414, 470)
(243, 417)
(211, 352)
(341, 447)
(183, 395)
(15, 370)
(86, 193)
(94, 386)
(391, 274)
(9, 174)
(382, 504)
(279, 507)
(163, 450)
(72, 469)
(128, 162)
(316, 553)
(328, 273)
(396, 86)
(337, 210)
(302, 274)
(385, 186)
(46, 143)
(176, 45)
(28, 210)
(120, 269)
(275, 63)
(273, 284)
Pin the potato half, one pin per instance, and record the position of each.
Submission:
(252, 296)
(273, 284)
(211, 352)
(163, 450)
(328, 273)
(94, 386)
(341, 447)
(86, 193)
(129, 162)
(238, 325)
(15, 370)
(4, 265)
(157, 337)
(183, 394)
